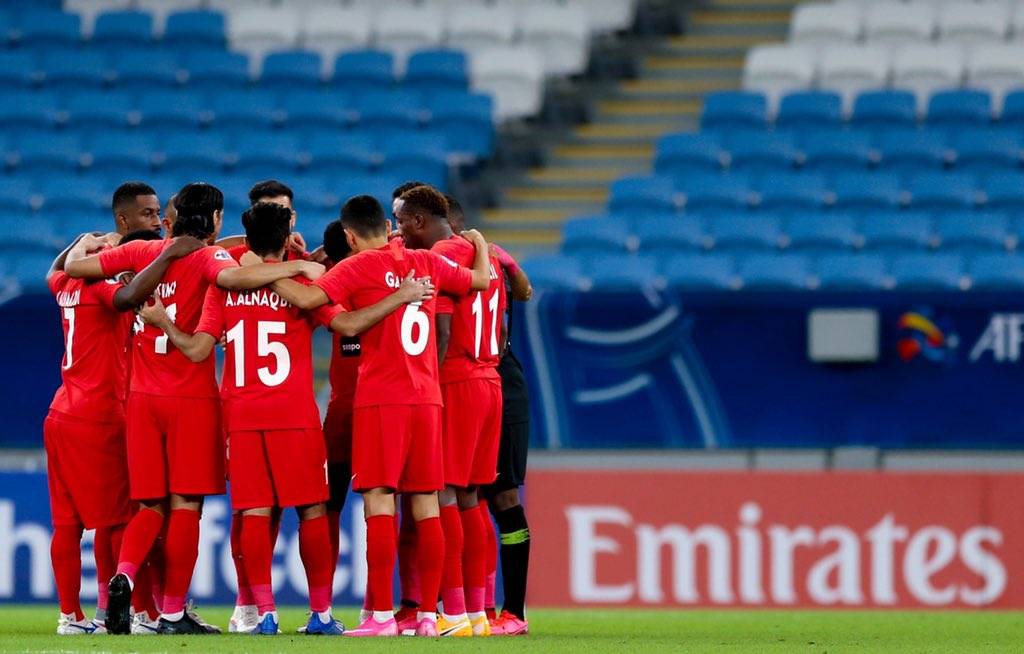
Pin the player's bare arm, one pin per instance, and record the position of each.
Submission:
(303, 297)
(519, 283)
(244, 278)
(195, 347)
(58, 263)
(296, 243)
(78, 263)
(481, 263)
(142, 285)
(356, 322)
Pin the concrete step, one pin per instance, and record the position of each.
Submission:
(677, 89)
(522, 242)
(628, 134)
(640, 108)
(708, 45)
(692, 64)
(629, 154)
(552, 196)
(579, 176)
(725, 6)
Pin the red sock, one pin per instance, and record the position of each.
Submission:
(181, 552)
(451, 577)
(139, 536)
(408, 565)
(491, 567)
(157, 564)
(66, 557)
(474, 559)
(380, 561)
(105, 547)
(245, 596)
(429, 558)
(334, 532)
(255, 556)
(315, 551)
(142, 595)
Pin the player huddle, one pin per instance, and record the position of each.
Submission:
(427, 408)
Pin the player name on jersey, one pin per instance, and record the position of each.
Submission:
(260, 297)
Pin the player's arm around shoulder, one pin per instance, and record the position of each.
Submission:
(81, 263)
(518, 281)
(196, 347)
(412, 290)
(481, 261)
(254, 274)
(145, 282)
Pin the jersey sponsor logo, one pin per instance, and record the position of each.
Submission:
(257, 298)
(222, 255)
(69, 299)
(350, 346)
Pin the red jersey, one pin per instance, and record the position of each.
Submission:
(476, 319)
(94, 368)
(158, 368)
(399, 354)
(268, 369)
(237, 252)
(345, 360)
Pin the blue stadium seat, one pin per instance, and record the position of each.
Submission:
(734, 109)
(763, 272)
(378, 186)
(382, 112)
(7, 32)
(261, 155)
(15, 194)
(215, 71)
(867, 191)
(326, 110)
(27, 234)
(342, 154)
(171, 109)
(73, 70)
(831, 231)
(743, 231)
(642, 194)
(959, 109)
(415, 155)
(787, 190)
(30, 269)
(762, 152)
(244, 110)
(974, 230)
(997, 272)
(17, 69)
(931, 272)
(987, 150)
(70, 225)
(143, 71)
(701, 272)
(27, 109)
(596, 235)
(48, 152)
(74, 194)
(896, 230)
(101, 109)
(123, 28)
(1013, 109)
(852, 272)
(121, 154)
(49, 29)
(194, 154)
(806, 109)
(884, 109)
(838, 151)
(911, 150)
(1005, 191)
(466, 121)
(715, 192)
(291, 70)
(194, 29)
(557, 272)
(621, 272)
(311, 196)
(360, 71)
(678, 155)
(433, 71)
(942, 191)
(666, 235)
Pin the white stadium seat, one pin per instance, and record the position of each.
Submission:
(778, 69)
(1017, 21)
(925, 69)
(898, 23)
(974, 22)
(850, 69)
(258, 30)
(825, 24)
(402, 29)
(998, 67)
(606, 16)
(560, 33)
(476, 27)
(333, 29)
(514, 76)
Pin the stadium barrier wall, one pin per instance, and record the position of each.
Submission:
(675, 539)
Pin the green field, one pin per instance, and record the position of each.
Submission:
(30, 629)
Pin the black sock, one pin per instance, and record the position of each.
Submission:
(514, 536)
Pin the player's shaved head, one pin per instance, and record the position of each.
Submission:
(267, 226)
(135, 206)
(336, 246)
(363, 216)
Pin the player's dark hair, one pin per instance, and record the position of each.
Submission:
(267, 226)
(140, 235)
(270, 188)
(127, 192)
(363, 215)
(196, 203)
(455, 212)
(335, 244)
(426, 201)
(399, 190)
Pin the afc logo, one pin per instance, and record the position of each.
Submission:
(1002, 338)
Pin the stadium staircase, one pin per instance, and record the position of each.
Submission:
(628, 117)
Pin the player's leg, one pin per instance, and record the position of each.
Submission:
(514, 536)
(492, 561)
(146, 615)
(245, 612)
(257, 557)
(105, 547)
(408, 568)
(338, 477)
(474, 559)
(315, 552)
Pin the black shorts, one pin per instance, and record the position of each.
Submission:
(515, 428)
(339, 476)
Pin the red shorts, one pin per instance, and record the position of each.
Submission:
(397, 446)
(175, 445)
(87, 471)
(338, 432)
(286, 467)
(472, 431)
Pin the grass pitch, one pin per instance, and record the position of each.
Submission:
(30, 629)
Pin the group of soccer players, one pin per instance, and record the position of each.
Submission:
(427, 416)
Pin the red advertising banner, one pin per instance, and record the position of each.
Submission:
(848, 540)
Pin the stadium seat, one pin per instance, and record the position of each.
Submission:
(240, 110)
(513, 76)
(851, 69)
(701, 272)
(911, 151)
(642, 194)
(122, 155)
(161, 10)
(416, 155)
(759, 151)
(997, 67)
(29, 109)
(15, 194)
(48, 152)
(476, 27)
(810, 109)
(766, 272)
(597, 235)
(559, 33)
(611, 272)
(928, 272)
(715, 192)
(727, 110)
(46, 29)
(898, 23)
(1013, 110)
(71, 70)
(260, 155)
(838, 151)
(793, 191)
(971, 23)
(556, 272)
(833, 231)
(606, 16)
(194, 154)
(436, 71)
(342, 155)
(101, 109)
(144, 71)
(119, 29)
(318, 110)
(1005, 191)
(895, 231)
(997, 272)
(942, 191)
(27, 234)
(884, 110)
(668, 235)
(678, 155)
(331, 29)
(216, 72)
(7, 32)
(291, 71)
(381, 112)
(364, 71)
(466, 120)
(407, 28)
(88, 10)
(74, 194)
(823, 24)
(70, 225)
(925, 69)
(196, 29)
(867, 191)
(974, 231)
(258, 30)
(852, 272)
(959, 109)
(987, 150)
(776, 70)
(17, 69)
(749, 232)
(170, 109)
